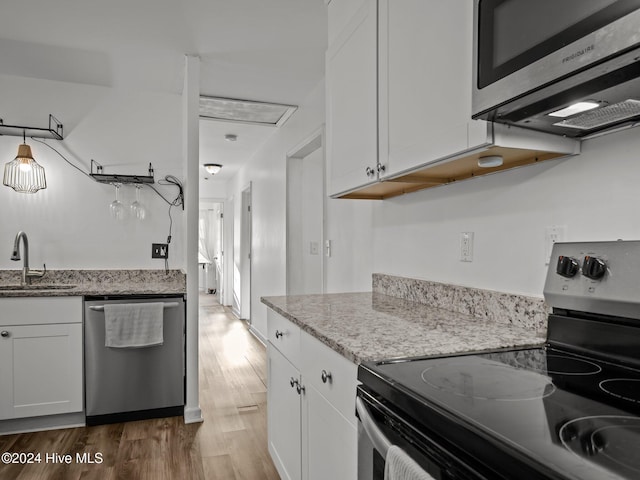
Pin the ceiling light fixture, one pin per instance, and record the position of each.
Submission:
(212, 168)
(23, 173)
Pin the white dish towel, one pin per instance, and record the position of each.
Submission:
(133, 325)
(400, 466)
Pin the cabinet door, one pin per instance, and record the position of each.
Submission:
(40, 370)
(425, 81)
(283, 413)
(331, 449)
(352, 120)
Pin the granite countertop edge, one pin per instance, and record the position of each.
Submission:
(66, 283)
(398, 315)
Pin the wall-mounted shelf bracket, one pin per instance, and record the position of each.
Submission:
(100, 177)
(54, 131)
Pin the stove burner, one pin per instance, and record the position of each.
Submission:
(610, 440)
(624, 388)
(566, 365)
(484, 380)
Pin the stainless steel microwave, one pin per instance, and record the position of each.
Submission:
(570, 67)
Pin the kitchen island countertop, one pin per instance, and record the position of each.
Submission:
(373, 326)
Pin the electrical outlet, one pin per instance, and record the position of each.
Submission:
(466, 247)
(553, 234)
(159, 250)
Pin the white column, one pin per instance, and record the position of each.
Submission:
(190, 139)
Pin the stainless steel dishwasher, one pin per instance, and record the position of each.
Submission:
(123, 384)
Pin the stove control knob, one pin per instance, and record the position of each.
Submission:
(593, 268)
(567, 266)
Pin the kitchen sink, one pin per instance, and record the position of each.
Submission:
(43, 286)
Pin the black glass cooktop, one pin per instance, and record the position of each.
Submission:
(572, 415)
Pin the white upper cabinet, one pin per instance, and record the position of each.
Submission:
(351, 79)
(425, 82)
(398, 81)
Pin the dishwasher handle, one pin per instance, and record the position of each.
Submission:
(380, 442)
(100, 308)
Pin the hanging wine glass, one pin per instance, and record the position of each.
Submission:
(137, 209)
(116, 207)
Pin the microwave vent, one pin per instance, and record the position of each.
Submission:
(603, 116)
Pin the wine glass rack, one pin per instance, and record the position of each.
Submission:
(101, 177)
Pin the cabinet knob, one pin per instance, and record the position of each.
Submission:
(381, 168)
(4, 334)
(325, 376)
(279, 334)
(300, 389)
(293, 382)
(370, 172)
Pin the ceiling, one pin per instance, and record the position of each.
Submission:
(270, 51)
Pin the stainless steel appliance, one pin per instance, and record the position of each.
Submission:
(532, 60)
(567, 410)
(134, 383)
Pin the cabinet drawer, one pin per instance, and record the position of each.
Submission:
(341, 375)
(40, 310)
(284, 335)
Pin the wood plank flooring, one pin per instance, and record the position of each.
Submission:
(230, 444)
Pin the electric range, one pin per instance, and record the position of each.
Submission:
(567, 410)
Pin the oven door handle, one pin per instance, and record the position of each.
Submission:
(378, 439)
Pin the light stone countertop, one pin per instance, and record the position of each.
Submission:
(96, 282)
(373, 326)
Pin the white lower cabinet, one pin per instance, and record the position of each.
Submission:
(311, 408)
(40, 361)
(332, 440)
(284, 416)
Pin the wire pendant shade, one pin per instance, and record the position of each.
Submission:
(24, 174)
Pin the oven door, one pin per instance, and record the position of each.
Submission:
(379, 427)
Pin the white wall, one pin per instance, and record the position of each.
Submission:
(68, 223)
(594, 194)
(349, 226)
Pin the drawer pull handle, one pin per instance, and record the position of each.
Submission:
(326, 376)
(279, 334)
(4, 334)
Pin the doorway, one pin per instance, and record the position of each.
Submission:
(244, 266)
(305, 217)
(211, 249)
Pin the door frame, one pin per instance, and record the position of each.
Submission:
(313, 142)
(246, 250)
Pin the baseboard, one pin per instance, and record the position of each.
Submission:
(37, 424)
(193, 415)
(261, 338)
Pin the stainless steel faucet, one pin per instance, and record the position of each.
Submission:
(27, 274)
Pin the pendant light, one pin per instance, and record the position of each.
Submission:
(24, 174)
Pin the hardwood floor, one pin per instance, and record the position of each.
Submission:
(230, 444)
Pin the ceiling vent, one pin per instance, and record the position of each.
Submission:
(245, 111)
